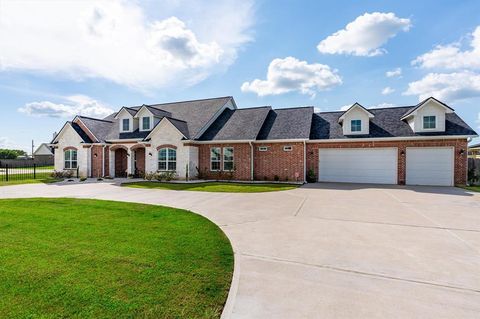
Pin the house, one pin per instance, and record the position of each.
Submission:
(474, 151)
(43, 155)
(424, 144)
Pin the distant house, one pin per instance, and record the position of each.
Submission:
(44, 155)
(423, 144)
(474, 151)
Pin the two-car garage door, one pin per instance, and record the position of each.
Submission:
(424, 165)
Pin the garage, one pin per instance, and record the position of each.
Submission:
(358, 165)
(430, 166)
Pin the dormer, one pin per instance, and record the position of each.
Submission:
(428, 116)
(126, 120)
(356, 120)
(145, 119)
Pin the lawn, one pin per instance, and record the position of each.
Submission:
(222, 187)
(64, 258)
(472, 188)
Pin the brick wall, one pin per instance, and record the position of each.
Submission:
(460, 172)
(241, 161)
(287, 165)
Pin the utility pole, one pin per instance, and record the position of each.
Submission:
(32, 148)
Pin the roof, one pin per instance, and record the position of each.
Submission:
(156, 112)
(43, 149)
(419, 105)
(355, 105)
(474, 145)
(288, 123)
(83, 135)
(386, 123)
(239, 124)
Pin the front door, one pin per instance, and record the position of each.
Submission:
(121, 163)
(139, 163)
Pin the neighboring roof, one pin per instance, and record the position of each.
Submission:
(288, 123)
(419, 105)
(43, 149)
(386, 123)
(474, 145)
(355, 105)
(239, 124)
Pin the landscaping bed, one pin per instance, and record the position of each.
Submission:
(63, 258)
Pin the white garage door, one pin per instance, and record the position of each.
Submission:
(430, 166)
(354, 165)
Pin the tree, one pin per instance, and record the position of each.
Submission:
(11, 154)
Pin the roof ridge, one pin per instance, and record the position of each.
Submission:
(172, 118)
(379, 108)
(95, 119)
(254, 107)
(295, 107)
(194, 100)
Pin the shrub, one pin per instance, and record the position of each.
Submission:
(276, 178)
(149, 176)
(201, 174)
(171, 175)
(83, 179)
(472, 177)
(311, 177)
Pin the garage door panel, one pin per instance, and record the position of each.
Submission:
(377, 166)
(429, 166)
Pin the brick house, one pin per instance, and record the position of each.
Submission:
(424, 144)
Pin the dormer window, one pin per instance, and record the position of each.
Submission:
(429, 122)
(356, 125)
(146, 123)
(126, 125)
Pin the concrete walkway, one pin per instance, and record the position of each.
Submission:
(333, 250)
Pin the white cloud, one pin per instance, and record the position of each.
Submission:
(382, 105)
(446, 87)
(387, 90)
(451, 56)
(290, 74)
(73, 105)
(345, 107)
(365, 35)
(121, 42)
(5, 142)
(393, 73)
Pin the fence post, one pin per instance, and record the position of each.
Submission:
(6, 170)
(34, 171)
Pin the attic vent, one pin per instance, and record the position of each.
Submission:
(287, 148)
(263, 148)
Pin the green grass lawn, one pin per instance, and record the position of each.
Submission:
(223, 187)
(64, 258)
(17, 179)
(472, 188)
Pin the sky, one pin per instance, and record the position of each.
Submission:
(62, 58)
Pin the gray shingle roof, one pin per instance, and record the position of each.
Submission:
(291, 123)
(99, 128)
(386, 123)
(80, 132)
(158, 112)
(474, 145)
(239, 124)
(182, 126)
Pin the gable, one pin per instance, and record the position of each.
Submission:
(165, 130)
(68, 135)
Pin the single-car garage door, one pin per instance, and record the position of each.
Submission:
(354, 165)
(430, 166)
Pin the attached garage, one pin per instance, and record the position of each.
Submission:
(358, 165)
(430, 166)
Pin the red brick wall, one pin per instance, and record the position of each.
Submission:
(460, 172)
(277, 162)
(241, 160)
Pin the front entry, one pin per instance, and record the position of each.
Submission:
(139, 162)
(121, 164)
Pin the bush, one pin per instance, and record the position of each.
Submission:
(472, 177)
(276, 178)
(201, 174)
(311, 177)
(62, 174)
(83, 179)
(149, 176)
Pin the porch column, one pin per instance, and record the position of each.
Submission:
(111, 166)
(130, 159)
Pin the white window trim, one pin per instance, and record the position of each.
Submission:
(429, 128)
(288, 148)
(233, 159)
(351, 126)
(129, 125)
(219, 160)
(263, 148)
(150, 124)
(70, 160)
(167, 160)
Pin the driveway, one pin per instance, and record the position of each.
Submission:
(333, 250)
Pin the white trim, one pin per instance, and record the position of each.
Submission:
(215, 116)
(158, 124)
(143, 107)
(287, 148)
(140, 123)
(356, 105)
(422, 104)
(263, 148)
(125, 140)
(130, 127)
(219, 160)
(223, 158)
(123, 109)
(55, 140)
(78, 118)
(378, 139)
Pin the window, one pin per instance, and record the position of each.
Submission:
(167, 159)
(288, 148)
(429, 122)
(145, 123)
(215, 159)
(70, 159)
(228, 159)
(263, 148)
(356, 125)
(126, 125)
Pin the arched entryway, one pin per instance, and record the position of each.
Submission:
(121, 162)
(138, 152)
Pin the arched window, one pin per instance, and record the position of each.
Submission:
(70, 157)
(167, 159)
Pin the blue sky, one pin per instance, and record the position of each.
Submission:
(58, 59)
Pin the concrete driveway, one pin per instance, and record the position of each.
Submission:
(334, 250)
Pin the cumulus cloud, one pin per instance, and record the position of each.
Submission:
(365, 35)
(393, 73)
(382, 105)
(6, 142)
(73, 105)
(388, 90)
(446, 86)
(452, 57)
(290, 74)
(121, 42)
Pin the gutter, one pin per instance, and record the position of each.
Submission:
(251, 160)
(405, 138)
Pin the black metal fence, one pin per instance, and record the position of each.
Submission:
(11, 173)
(474, 171)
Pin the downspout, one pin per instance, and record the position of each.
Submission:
(251, 160)
(304, 161)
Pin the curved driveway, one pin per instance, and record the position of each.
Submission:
(333, 250)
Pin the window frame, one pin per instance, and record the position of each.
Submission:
(70, 160)
(263, 148)
(168, 161)
(287, 148)
(219, 160)
(357, 124)
(429, 117)
(229, 160)
(149, 123)
(123, 125)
